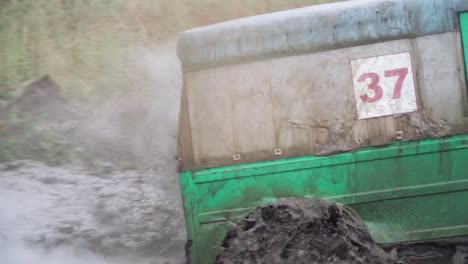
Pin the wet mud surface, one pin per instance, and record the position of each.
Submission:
(302, 231)
(69, 215)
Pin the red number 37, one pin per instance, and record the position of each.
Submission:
(378, 91)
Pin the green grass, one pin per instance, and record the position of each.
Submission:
(74, 41)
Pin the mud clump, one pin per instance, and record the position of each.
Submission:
(302, 231)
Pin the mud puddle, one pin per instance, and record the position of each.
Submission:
(69, 215)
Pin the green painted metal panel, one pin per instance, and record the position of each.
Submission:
(406, 191)
(464, 34)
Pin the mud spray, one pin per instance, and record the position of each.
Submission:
(72, 214)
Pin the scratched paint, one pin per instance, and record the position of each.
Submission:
(384, 85)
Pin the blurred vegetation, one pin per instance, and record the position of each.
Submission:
(72, 40)
(83, 46)
(49, 145)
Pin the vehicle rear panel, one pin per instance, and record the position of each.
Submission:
(269, 110)
(404, 192)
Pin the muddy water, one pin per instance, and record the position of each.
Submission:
(70, 215)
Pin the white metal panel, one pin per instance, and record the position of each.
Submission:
(384, 85)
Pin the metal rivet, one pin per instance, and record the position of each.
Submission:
(236, 157)
(278, 152)
(399, 135)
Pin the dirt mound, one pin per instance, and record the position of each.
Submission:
(302, 231)
(42, 99)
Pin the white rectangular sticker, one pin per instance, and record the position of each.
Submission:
(384, 85)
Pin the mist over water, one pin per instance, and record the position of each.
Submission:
(22, 254)
(107, 214)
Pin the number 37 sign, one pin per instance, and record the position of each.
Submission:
(384, 85)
